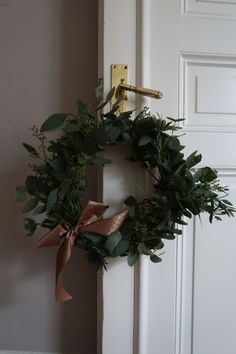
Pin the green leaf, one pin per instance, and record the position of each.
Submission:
(71, 128)
(53, 122)
(93, 237)
(110, 94)
(57, 164)
(193, 159)
(20, 194)
(81, 106)
(113, 132)
(75, 194)
(52, 199)
(31, 184)
(175, 120)
(98, 160)
(187, 213)
(218, 218)
(30, 149)
(181, 222)
(155, 259)
(39, 210)
(30, 204)
(174, 143)
(131, 201)
(143, 249)
(178, 232)
(30, 225)
(205, 174)
(108, 98)
(100, 136)
(146, 139)
(127, 138)
(227, 202)
(132, 258)
(112, 241)
(122, 247)
(180, 170)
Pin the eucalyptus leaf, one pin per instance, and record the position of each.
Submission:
(53, 122)
(176, 120)
(92, 237)
(20, 194)
(81, 106)
(112, 241)
(100, 136)
(113, 132)
(30, 149)
(71, 128)
(130, 201)
(174, 143)
(193, 159)
(52, 199)
(155, 259)
(122, 247)
(99, 160)
(143, 249)
(132, 258)
(30, 226)
(30, 204)
(146, 139)
(31, 184)
(110, 94)
(127, 138)
(39, 210)
(108, 98)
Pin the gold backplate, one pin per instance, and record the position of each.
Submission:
(119, 74)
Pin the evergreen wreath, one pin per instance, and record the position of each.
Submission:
(57, 185)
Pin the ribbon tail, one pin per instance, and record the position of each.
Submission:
(52, 238)
(63, 256)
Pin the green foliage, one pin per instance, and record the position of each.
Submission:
(53, 122)
(56, 186)
(112, 241)
(30, 226)
(155, 259)
(132, 258)
(30, 204)
(21, 194)
(30, 149)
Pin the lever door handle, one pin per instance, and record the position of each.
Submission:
(140, 90)
(119, 79)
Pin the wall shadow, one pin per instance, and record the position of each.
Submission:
(49, 58)
(79, 67)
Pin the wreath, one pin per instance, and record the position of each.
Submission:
(56, 188)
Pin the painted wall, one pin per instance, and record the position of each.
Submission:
(48, 59)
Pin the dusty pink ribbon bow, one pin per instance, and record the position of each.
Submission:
(90, 220)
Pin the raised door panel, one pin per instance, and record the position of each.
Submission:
(208, 288)
(207, 92)
(221, 8)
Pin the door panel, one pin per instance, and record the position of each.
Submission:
(187, 50)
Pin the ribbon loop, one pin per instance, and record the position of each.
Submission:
(90, 221)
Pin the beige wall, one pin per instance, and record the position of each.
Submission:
(48, 58)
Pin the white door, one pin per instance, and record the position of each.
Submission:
(187, 50)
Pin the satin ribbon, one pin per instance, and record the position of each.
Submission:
(90, 220)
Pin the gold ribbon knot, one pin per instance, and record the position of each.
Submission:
(90, 220)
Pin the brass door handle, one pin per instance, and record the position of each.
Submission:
(119, 79)
(140, 90)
